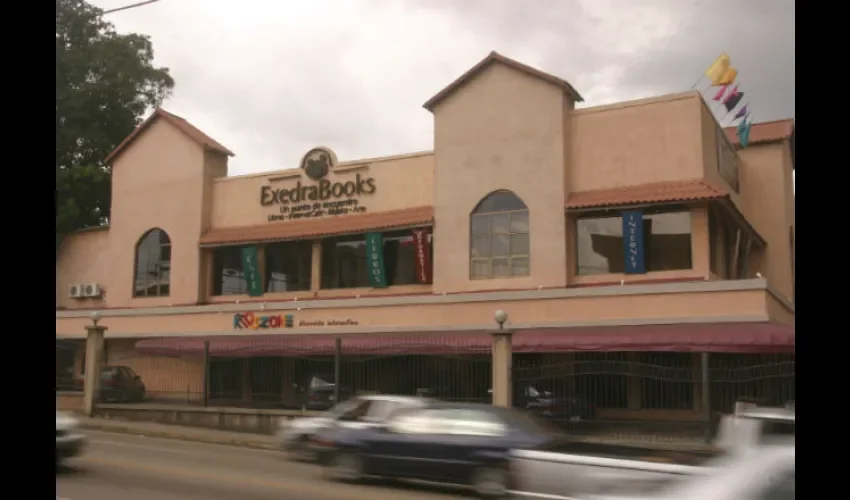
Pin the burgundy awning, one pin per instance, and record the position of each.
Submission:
(703, 337)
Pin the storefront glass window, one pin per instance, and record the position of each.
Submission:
(499, 246)
(152, 277)
(344, 263)
(228, 277)
(667, 242)
(288, 266)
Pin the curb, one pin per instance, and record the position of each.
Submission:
(247, 442)
(177, 435)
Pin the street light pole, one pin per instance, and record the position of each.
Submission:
(94, 359)
(501, 359)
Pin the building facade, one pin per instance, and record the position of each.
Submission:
(606, 233)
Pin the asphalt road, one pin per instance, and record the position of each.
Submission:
(128, 467)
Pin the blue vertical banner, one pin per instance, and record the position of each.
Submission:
(633, 248)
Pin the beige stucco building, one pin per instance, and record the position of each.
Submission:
(526, 204)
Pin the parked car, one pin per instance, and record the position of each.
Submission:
(120, 384)
(69, 442)
(463, 443)
(759, 473)
(320, 393)
(360, 411)
(552, 404)
(67, 380)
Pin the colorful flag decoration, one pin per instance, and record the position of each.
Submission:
(741, 112)
(743, 131)
(718, 68)
(733, 101)
(719, 94)
(729, 77)
(729, 95)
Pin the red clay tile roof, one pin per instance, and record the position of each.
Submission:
(658, 192)
(496, 57)
(329, 226)
(180, 123)
(776, 130)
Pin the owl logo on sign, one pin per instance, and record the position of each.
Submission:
(317, 163)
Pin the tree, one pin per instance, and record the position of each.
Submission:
(105, 82)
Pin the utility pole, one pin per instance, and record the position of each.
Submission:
(131, 6)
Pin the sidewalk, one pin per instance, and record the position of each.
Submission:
(184, 433)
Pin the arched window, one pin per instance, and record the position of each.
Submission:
(152, 277)
(499, 245)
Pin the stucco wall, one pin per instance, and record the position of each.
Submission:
(157, 183)
(502, 130)
(83, 258)
(638, 142)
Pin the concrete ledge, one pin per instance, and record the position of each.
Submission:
(228, 419)
(425, 299)
(267, 442)
(246, 440)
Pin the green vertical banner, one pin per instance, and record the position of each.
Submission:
(251, 269)
(375, 260)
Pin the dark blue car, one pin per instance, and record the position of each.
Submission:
(460, 443)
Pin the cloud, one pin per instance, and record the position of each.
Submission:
(272, 79)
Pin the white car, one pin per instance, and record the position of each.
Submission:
(761, 473)
(69, 442)
(360, 411)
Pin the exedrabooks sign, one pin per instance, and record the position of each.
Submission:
(320, 197)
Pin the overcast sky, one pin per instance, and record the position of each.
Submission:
(270, 79)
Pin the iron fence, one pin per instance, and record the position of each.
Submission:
(69, 364)
(648, 393)
(625, 393)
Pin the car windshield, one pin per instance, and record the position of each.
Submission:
(343, 407)
(530, 424)
(319, 382)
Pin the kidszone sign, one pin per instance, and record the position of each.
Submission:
(251, 321)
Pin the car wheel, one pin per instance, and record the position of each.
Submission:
(490, 482)
(301, 450)
(346, 467)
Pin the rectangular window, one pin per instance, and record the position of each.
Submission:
(744, 256)
(728, 164)
(667, 242)
(713, 243)
(344, 263)
(793, 264)
(228, 277)
(288, 266)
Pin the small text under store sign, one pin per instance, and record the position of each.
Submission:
(250, 321)
(251, 269)
(633, 244)
(423, 255)
(375, 260)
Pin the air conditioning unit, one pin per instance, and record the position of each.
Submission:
(75, 291)
(91, 290)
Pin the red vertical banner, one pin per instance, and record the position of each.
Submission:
(423, 255)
